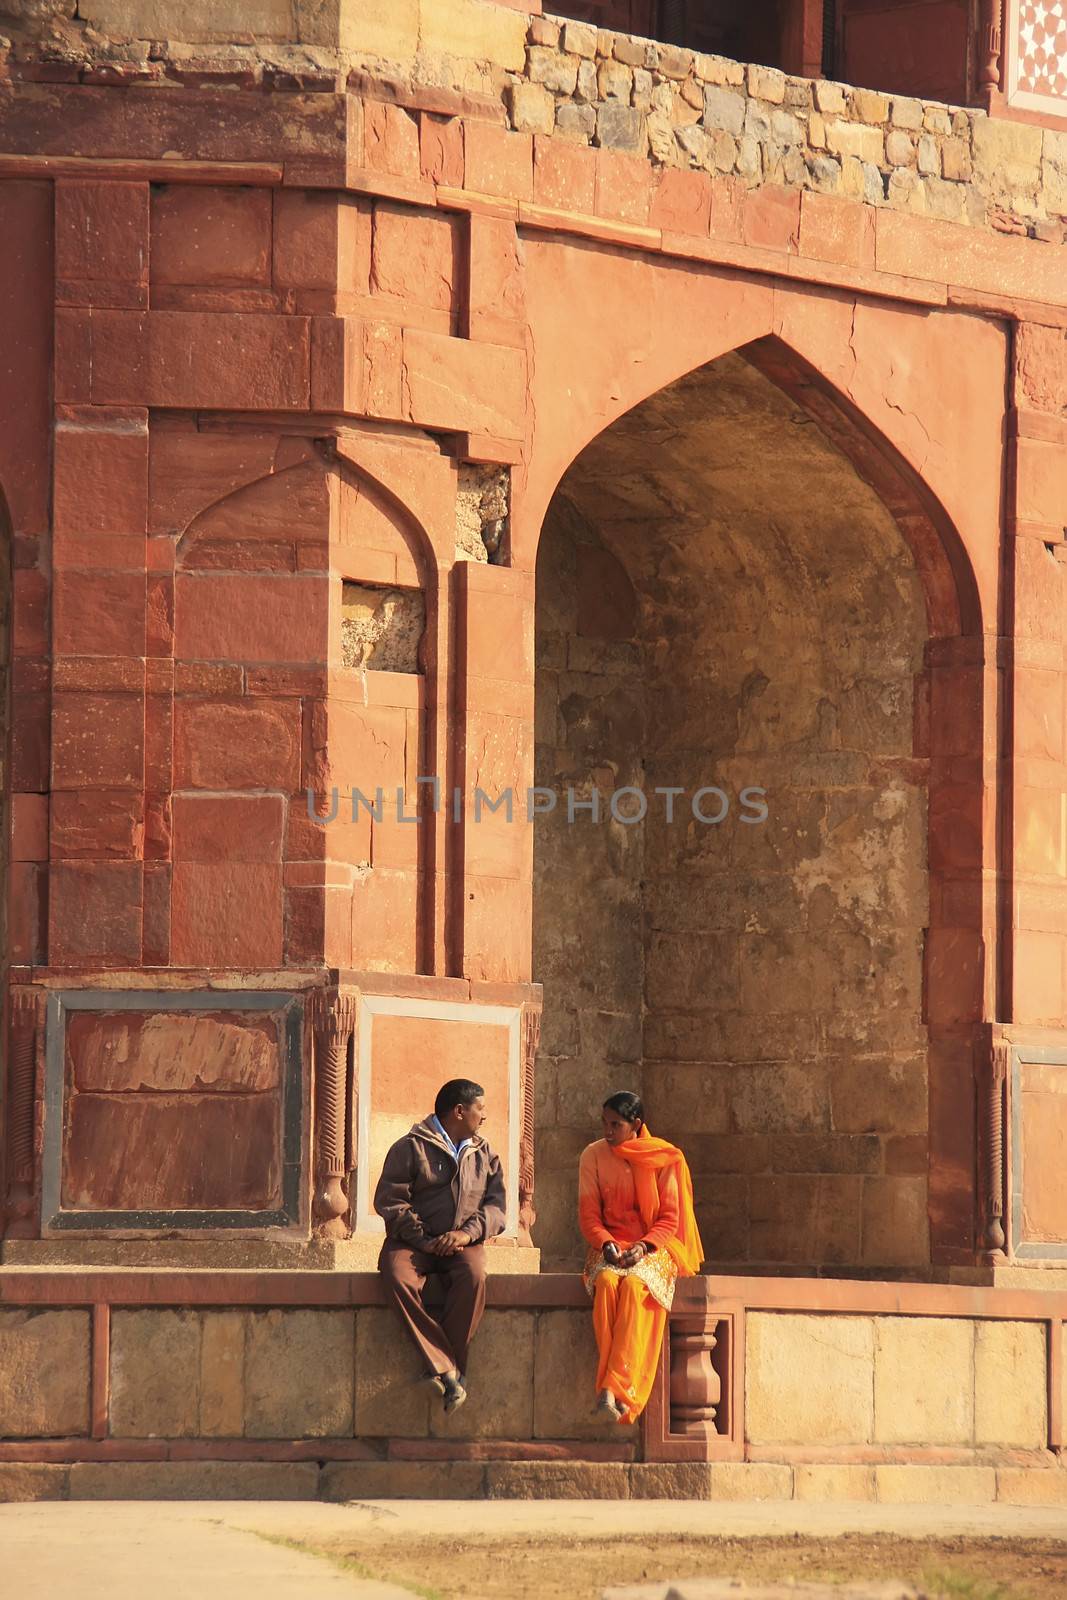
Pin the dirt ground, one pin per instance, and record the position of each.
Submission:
(533, 1568)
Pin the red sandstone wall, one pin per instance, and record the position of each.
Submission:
(421, 288)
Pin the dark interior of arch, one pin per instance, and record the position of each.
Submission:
(722, 601)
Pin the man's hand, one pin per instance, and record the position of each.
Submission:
(448, 1244)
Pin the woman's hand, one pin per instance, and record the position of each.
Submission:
(612, 1254)
(637, 1252)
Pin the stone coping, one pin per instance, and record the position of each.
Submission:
(706, 1295)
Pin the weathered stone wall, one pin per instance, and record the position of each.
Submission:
(761, 983)
(678, 108)
(709, 114)
(895, 1381)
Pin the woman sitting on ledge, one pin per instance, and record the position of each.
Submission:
(635, 1210)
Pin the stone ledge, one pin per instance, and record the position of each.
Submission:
(586, 1480)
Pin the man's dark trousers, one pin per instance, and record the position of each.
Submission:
(444, 1343)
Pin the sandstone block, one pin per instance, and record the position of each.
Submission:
(222, 1360)
(414, 255)
(620, 127)
(551, 68)
(635, 52)
(724, 108)
(211, 236)
(615, 81)
(576, 123)
(299, 1374)
(766, 83)
(899, 150)
(895, 1225)
(403, 1480)
(1010, 1385)
(869, 107)
(718, 69)
(97, 741)
(101, 476)
(808, 1379)
(829, 97)
(101, 233)
(94, 913)
(565, 1361)
(905, 113)
(44, 1373)
(533, 108)
(1007, 155)
(155, 1374)
(833, 1483)
(623, 187)
(564, 176)
(579, 39)
(498, 162)
(390, 1395)
(194, 1480)
(936, 119)
(390, 140)
(22, 1481)
(855, 139)
(472, 29)
(543, 30)
(557, 1480)
(500, 1382)
(1032, 1486)
(677, 1480)
(915, 1485)
(923, 1381)
(237, 744)
(750, 1480)
(929, 156)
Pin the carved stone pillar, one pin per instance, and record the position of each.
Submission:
(27, 1011)
(991, 1101)
(695, 1387)
(989, 45)
(333, 1019)
(531, 1038)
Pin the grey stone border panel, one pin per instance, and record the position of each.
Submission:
(1023, 1250)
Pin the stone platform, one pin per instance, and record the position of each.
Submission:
(143, 1383)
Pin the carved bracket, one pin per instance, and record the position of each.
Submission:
(25, 1019)
(333, 1017)
(531, 1039)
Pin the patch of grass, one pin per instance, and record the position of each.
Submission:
(958, 1586)
(349, 1564)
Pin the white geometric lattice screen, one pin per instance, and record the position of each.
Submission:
(1037, 55)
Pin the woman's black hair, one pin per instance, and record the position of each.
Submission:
(627, 1105)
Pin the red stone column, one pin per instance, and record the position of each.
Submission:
(493, 857)
(1036, 770)
(100, 605)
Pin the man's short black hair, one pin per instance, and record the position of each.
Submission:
(456, 1092)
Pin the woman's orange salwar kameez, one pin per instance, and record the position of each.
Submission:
(640, 1189)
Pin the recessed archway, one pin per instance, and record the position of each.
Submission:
(737, 588)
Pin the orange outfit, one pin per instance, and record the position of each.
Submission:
(640, 1189)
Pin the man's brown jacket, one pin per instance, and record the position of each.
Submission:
(423, 1191)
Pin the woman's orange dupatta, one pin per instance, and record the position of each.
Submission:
(647, 1156)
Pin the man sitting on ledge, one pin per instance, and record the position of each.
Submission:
(441, 1193)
